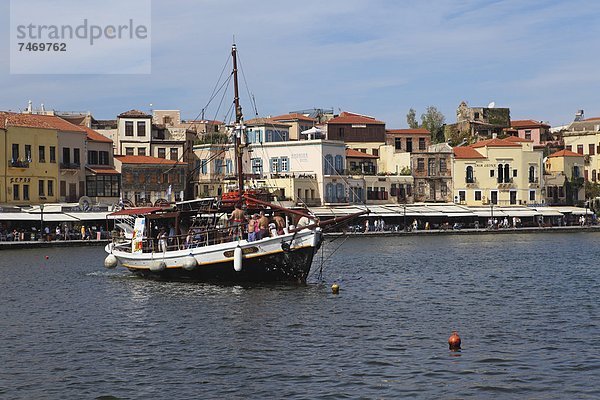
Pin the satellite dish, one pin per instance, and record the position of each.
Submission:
(492, 104)
(85, 203)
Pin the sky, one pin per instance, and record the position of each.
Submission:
(374, 57)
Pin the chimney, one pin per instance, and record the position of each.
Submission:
(579, 115)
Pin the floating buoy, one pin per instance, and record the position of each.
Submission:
(335, 288)
(189, 263)
(454, 341)
(158, 266)
(47, 257)
(237, 259)
(110, 261)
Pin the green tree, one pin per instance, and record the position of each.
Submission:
(433, 120)
(411, 119)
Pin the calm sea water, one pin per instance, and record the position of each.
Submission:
(526, 306)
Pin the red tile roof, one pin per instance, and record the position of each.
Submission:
(293, 116)
(466, 153)
(351, 153)
(495, 143)
(528, 123)
(565, 153)
(416, 131)
(146, 160)
(350, 118)
(134, 114)
(95, 136)
(517, 139)
(37, 121)
(103, 170)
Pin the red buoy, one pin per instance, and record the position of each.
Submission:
(454, 341)
(46, 257)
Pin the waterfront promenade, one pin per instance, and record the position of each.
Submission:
(36, 244)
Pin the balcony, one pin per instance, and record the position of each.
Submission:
(19, 163)
(471, 182)
(336, 200)
(70, 166)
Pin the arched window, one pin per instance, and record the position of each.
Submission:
(531, 174)
(506, 173)
(500, 173)
(339, 164)
(328, 164)
(470, 178)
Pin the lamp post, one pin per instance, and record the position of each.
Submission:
(41, 221)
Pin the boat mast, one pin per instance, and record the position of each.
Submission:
(238, 129)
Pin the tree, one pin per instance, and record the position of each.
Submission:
(433, 120)
(411, 119)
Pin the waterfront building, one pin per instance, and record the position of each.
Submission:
(30, 157)
(536, 131)
(150, 180)
(297, 124)
(359, 163)
(102, 180)
(432, 172)
(583, 137)
(133, 136)
(313, 165)
(563, 178)
(266, 130)
(498, 172)
(359, 132)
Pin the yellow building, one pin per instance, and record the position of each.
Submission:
(563, 178)
(29, 158)
(583, 137)
(498, 171)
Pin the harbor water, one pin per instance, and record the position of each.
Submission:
(527, 308)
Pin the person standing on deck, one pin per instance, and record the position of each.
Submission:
(237, 219)
(252, 228)
(279, 224)
(263, 226)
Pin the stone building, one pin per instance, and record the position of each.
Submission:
(432, 172)
(477, 123)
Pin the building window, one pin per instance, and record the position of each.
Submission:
(478, 195)
(285, 164)
(514, 173)
(25, 192)
(174, 153)
(66, 155)
(257, 166)
(162, 152)
(41, 187)
(442, 165)
(228, 167)
(204, 167)
(594, 175)
(532, 195)
(339, 164)
(128, 128)
(470, 177)
(15, 152)
(494, 196)
(398, 143)
(409, 145)
(28, 153)
(462, 195)
(103, 185)
(274, 165)
(103, 157)
(129, 151)
(491, 173)
(592, 149)
(531, 174)
(444, 189)
(420, 164)
(376, 152)
(141, 128)
(569, 147)
(575, 171)
(431, 167)
(528, 134)
(141, 151)
(580, 149)
(328, 164)
(342, 133)
(76, 156)
(92, 157)
(421, 143)
(50, 188)
(52, 154)
(16, 191)
(42, 154)
(218, 166)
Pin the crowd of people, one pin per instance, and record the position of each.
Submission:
(50, 233)
(256, 226)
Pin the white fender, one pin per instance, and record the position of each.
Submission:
(237, 259)
(189, 263)
(158, 266)
(110, 261)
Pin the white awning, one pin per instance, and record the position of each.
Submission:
(20, 217)
(89, 216)
(549, 212)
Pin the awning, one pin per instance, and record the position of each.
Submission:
(550, 212)
(103, 171)
(89, 216)
(20, 217)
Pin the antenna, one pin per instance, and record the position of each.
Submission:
(492, 104)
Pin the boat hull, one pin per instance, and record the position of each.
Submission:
(286, 258)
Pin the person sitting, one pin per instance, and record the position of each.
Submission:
(279, 224)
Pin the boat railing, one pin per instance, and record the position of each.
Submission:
(193, 239)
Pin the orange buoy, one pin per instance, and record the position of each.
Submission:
(454, 341)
